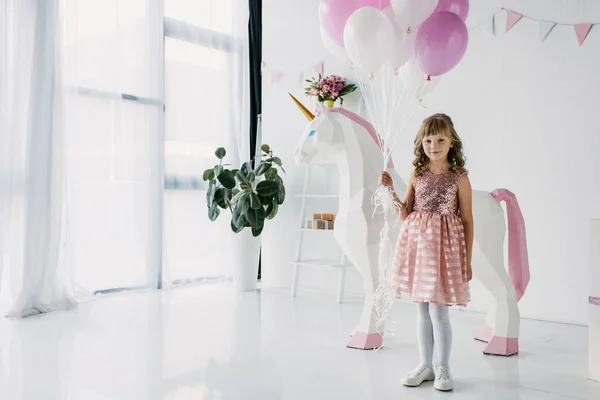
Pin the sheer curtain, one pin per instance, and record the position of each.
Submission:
(33, 234)
(109, 112)
(114, 124)
(207, 106)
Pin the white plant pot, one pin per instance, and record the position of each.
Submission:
(594, 302)
(245, 260)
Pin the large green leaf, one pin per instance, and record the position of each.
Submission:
(208, 175)
(252, 217)
(213, 212)
(242, 178)
(254, 201)
(257, 220)
(265, 201)
(238, 222)
(281, 189)
(244, 202)
(227, 179)
(220, 153)
(221, 198)
(272, 210)
(246, 167)
(235, 228)
(262, 215)
(218, 169)
(236, 196)
(267, 188)
(262, 168)
(210, 193)
(257, 231)
(241, 221)
(276, 160)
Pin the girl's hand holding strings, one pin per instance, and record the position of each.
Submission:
(385, 179)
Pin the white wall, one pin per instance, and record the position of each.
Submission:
(528, 114)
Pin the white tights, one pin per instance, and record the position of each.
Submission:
(433, 326)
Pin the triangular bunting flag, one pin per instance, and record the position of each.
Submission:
(488, 24)
(301, 79)
(545, 28)
(511, 19)
(275, 76)
(318, 68)
(582, 30)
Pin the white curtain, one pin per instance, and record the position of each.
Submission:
(114, 132)
(103, 104)
(207, 106)
(33, 234)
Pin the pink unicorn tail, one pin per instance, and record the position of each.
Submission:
(518, 260)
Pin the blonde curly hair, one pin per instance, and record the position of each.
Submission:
(438, 124)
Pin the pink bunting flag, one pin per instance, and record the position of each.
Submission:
(318, 68)
(275, 76)
(582, 30)
(511, 19)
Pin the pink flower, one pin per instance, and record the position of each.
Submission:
(312, 92)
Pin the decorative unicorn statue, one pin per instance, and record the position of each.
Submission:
(343, 137)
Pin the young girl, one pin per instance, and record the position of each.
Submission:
(432, 263)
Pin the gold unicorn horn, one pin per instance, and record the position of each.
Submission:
(306, 113)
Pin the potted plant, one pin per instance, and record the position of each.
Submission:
(329, 89)
(251, 195)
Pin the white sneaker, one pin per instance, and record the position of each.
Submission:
(443, 379)
(419, 375)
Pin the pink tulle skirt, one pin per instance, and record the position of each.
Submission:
(430, 261)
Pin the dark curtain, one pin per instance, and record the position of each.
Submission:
(255, 51)
(255, 39)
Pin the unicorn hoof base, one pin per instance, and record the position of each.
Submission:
(501, 346)
(485, 334)
(364, 341)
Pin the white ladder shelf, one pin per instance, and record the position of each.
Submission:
(298, 262)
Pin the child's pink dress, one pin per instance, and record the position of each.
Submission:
(430, 262)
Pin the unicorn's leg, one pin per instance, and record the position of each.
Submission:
(506, 317)
(366, 335)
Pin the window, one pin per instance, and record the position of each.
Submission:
(148, 103)
(114, 109)
(200, 49)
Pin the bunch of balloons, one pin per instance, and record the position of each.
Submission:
(374, 33)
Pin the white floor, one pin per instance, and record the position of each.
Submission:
(205, 342)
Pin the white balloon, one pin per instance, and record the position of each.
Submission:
(417, 81)
(411, 74)
(410, 13)
(403, 47)
(368, 38)
(336, 50)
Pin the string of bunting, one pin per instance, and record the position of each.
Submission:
(275, 75)
(545, 27)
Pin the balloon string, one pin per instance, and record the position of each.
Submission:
(384, 295)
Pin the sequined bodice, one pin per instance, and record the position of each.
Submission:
(437, 193)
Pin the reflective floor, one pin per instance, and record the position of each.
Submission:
(205, 342)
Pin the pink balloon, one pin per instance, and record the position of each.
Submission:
(441, 43)
(333, 14)
(458, 7)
